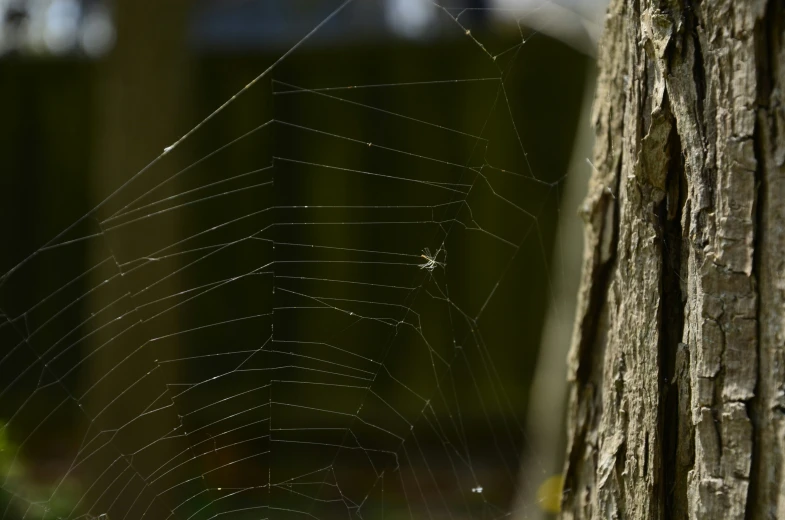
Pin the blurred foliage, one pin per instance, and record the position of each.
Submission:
(549, 494)
(23, 495)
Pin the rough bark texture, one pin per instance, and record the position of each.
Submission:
(677, 367)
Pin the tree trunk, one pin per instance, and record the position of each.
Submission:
(677, 370)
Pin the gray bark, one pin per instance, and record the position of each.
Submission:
(677, 372)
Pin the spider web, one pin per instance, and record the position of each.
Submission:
(292, 333)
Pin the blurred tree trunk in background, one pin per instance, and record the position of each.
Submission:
(677, 367)
(141, 92)
(539, 494)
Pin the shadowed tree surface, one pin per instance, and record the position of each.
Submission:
(676, 368)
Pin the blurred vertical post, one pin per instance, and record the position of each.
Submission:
(140, 92)
(540, 477)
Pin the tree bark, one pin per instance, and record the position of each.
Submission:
(677, 365)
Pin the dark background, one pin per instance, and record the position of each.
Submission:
(94, 364)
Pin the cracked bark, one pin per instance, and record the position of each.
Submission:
(677, 366)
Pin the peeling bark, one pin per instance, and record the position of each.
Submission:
(677, 366)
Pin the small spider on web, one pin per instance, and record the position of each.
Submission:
(431, 261)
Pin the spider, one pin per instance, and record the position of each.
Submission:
(430, 260)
